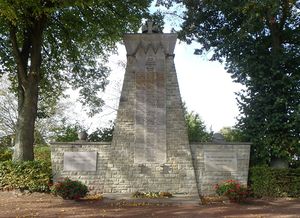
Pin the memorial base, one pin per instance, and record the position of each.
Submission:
(67, 161)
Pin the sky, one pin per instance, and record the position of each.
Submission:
(206, 88)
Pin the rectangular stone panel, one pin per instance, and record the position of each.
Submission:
(80, 161)
(220, 161)
(150, 115)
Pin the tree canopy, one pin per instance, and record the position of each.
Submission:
(77, 37)
(233, 135)
(259, 41)
(197, 131)
(47, 45)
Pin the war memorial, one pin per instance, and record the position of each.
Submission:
(150, 150)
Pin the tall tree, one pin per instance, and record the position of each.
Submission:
(104, 134)
(233, 135)
(47, 45)
(260, 44)
(197, 131)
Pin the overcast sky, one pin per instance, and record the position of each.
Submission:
(206, 88)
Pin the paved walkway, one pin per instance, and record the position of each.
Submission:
(175, 200)
(45, 205)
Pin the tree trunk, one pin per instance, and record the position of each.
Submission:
(28, 60)
(28, 98)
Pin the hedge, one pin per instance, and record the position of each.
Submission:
(41, 153)
(270, 182)
(34, 176)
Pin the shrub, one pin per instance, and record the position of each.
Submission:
(270, 182)
(5, 154)
(233, 190)
(69, 189)
(6, 141)
(42, 153)
(34, 176)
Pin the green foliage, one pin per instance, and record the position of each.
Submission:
(68, 133)
(260, 43)
(69, 189)
(49, 45)
(42, 153)
(270, 182)
(138, 194)
(197, 131)
(196, 128)
(38, 138)
(6, 141)
(5, 154)
(158, 19)
(102, 134)
(76, 35)
(233, 190)
(233, 135)
(34, 176)
(295, 163)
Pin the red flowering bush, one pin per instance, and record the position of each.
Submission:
(69, 189)
(233, 190)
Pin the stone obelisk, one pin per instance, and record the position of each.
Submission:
(150, 141)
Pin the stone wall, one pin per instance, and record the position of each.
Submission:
(215, 163)
(98, 181)
(115, 175)
(212, 163)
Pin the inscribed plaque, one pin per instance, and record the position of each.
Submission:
(80, 161)
(220, 161)
(150, 111)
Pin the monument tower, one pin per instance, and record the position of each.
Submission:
(150, 137)
(150, 150)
